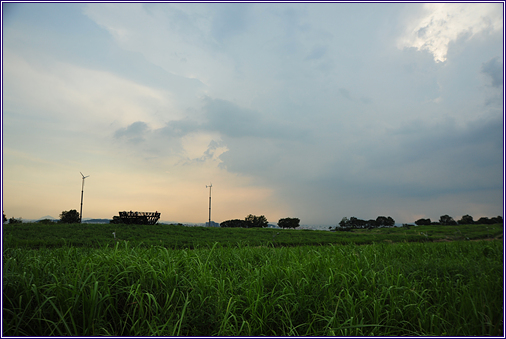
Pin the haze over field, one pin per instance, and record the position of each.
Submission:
(314, 111)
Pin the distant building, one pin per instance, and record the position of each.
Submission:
(213, 224)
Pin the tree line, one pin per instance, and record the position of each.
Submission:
(66, 217)
(72, 216)
(260, 221)
(353, 223)
(465, 220)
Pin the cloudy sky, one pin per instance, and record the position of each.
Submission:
(315, 111)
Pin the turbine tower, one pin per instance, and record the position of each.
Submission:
(82, 191)
(210, 186)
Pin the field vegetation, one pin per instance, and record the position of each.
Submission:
(77, 280)
(35, 235)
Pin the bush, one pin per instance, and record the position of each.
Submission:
(447, 220)
(289, 223)
(466, 220)
(15, 221)
(234, 223)
(421, 222)
(256, 221)
(70, 217)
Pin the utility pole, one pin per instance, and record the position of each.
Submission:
(210, 186)
(82, 191)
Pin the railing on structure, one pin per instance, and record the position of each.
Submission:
(139, 218)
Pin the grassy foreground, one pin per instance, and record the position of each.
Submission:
(383, 289)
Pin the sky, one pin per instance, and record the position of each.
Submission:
(316, 111)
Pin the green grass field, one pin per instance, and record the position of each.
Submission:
(398, 283)
(33, 235)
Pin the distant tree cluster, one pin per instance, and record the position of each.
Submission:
(289, 223)
(234, 223)
(11, 220)
(15, 221)
(487, 221)
(354, 223)
(69, 217)
(250, 221)
(421, 222)
(465, 220)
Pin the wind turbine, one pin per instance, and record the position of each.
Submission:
(210, 186)
(82, 191)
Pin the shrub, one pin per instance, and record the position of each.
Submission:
(256, 221)
(15, 221)
(70, 217)
(234, 223)
(289, 223)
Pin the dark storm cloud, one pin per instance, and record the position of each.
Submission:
(494, 69)
(150, 143)
(180, 128)
(230, 20)
(253, 157)
(254, 142)
(233, 121)
(345, 93)
(317, 52)
(481, 140)
(134, 133)
(418, 161)
(429, 161)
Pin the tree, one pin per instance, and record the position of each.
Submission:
(422, 221)
(484, 221)
(234, 223)
(497, 220)
(446, 220)
(466, 220)
(391, 221)
(385, 221)
(256, 221)
(69, 217)
(344, 222)
(371, 223)
(357, 223)
(15, 221)
(4, 218)
(289, 223)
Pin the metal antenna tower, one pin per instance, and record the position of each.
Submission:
(210, 187)
(82, 191)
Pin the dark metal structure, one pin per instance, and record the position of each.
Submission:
(139, 218)
(82, 191)
(210, 186)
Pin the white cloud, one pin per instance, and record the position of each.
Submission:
(178, 41)
(95, 98)
(444, 23)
